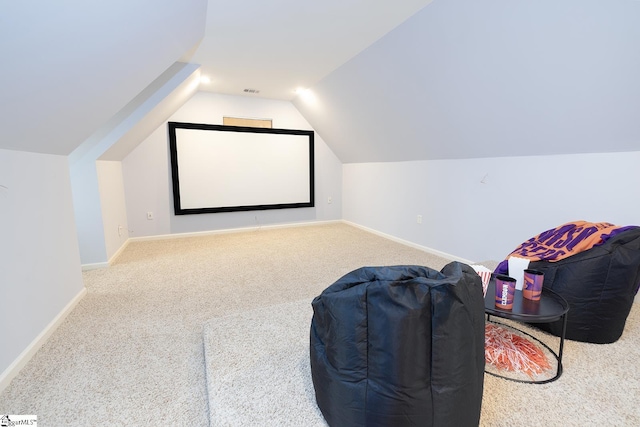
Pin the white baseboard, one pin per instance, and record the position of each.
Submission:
(94, 266)
(119, 251)
(411, 244)
(436, 252)
(97, 265)
(298, 224)
(32, 349)
(231, 230)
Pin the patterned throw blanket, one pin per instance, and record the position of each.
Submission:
(563, 241)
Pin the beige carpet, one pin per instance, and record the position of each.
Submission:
(259, 374)
(258, 371)
(131, 352)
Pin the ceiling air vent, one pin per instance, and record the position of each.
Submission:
(252, 91)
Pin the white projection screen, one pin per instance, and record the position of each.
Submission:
(219, 168)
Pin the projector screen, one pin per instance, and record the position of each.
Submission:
(230, 168)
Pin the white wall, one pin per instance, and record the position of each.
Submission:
(476, 220)
(147, 176)
(95, 216)
(88, 212)
(39, 256)
(112, 201)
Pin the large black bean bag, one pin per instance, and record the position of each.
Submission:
(599, 284)
(400, 346)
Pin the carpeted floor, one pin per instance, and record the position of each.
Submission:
(131, 352)
(259, 372)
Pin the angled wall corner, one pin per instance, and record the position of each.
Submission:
(96, 213)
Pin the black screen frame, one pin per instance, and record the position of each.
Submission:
(179, 210)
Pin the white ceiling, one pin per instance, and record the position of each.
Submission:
(491, 78)
(277, 46)
(69, 66)
(393, 81)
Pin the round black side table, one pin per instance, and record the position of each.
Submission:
(551, 307)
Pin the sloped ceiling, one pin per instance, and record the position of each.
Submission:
(457, 79)
(278, 45)
(468, 78)
(69, 66)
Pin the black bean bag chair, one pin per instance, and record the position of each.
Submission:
(599, 284)
(400, 346)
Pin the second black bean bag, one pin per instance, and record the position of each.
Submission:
(599, 284)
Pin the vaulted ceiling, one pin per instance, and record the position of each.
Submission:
(69, 66)
(277, 46)
(412, 80)
(490, 78)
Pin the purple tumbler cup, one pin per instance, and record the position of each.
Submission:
(505, 291)
(532, 288)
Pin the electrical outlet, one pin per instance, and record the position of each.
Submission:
(150, 216)
(419, 219)
(120, 228)
(329, 200)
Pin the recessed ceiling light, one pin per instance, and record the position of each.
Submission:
(306, 94)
